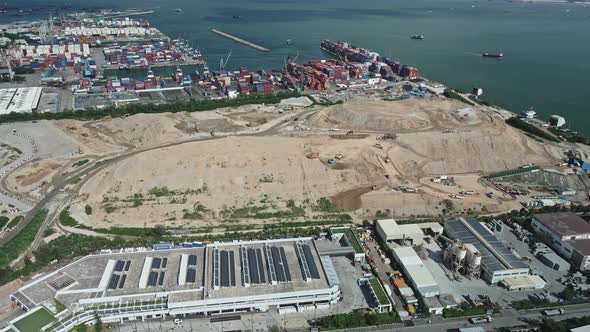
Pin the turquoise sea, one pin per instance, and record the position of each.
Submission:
(546, 46)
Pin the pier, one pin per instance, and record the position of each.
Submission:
(240, 40)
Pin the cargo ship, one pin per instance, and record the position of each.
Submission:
(417, 37)
(493, 55)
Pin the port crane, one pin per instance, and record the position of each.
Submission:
(222, 63)
(288, 60)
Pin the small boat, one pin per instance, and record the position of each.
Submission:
(236, 16)
(178, 10)
(493, 55)
(289, 42)
(417, 37)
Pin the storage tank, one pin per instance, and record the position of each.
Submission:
(460, 252)
(476, 259)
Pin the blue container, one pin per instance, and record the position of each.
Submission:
(161, 246)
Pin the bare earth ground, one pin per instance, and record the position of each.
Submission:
(237, 172)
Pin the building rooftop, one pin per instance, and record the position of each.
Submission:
(220, 270)
(393, 230)
(563, 223)
(414, 266)
(467, 236)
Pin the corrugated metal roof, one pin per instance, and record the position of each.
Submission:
(488, 258)
(331, 274)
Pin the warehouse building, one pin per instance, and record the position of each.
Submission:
(286, 275)
(19, 100)
(568, 234)
(413, 234)
(497, 262)
(415, 270)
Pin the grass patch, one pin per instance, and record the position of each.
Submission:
(357, 319)
(11, 148)
(35, 321)
(196, 213)
(3, 221)
(15, 221)
(570, 135)
(88, 209)
(467, 310)
(531, 129)
(80, 163)
(15, 247)
(324, 204)
(450, 93)
(160, 191)
(353, 241)
(379, 291)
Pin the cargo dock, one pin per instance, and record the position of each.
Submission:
(240, 40)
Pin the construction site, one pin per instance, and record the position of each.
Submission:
(365, 156)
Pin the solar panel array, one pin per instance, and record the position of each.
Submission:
(228, 269)
(461, 232)
(309, 268)
(119, 275)
(278, 260)
(61, 282)
(191, 272)
(255, 266)
(157, 272)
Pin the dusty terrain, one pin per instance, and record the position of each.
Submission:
(207, 182)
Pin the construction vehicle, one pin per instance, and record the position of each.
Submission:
(553, 312)
(479, 320)
(387, 160)
(331, 161)
(339, 156)
(378, 146)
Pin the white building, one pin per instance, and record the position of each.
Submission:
(416, 272)
(568, 234)
(557, 120)
(389, 230)
(286, 275)
(19, 100)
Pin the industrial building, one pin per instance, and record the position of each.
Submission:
(287, 275)
(19, 100)
(568, 234)
(496, 261)
(389, 230)
(416, 272)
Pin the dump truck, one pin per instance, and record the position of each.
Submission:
(553, 312)
(480, 320)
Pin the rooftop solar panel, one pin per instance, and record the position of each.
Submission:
(285, 264)
(192, 260)
(114, 281)
(277, 264)
(253, 265)
(232, 269)
(161, 279)
(191, 275)
(156, 263)
(153, 279)
(224, 265)
(488, 258)
(122, 282)
(164, 262)
(313, 268)
(260, 266)
(127, 264)
(119, 266)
